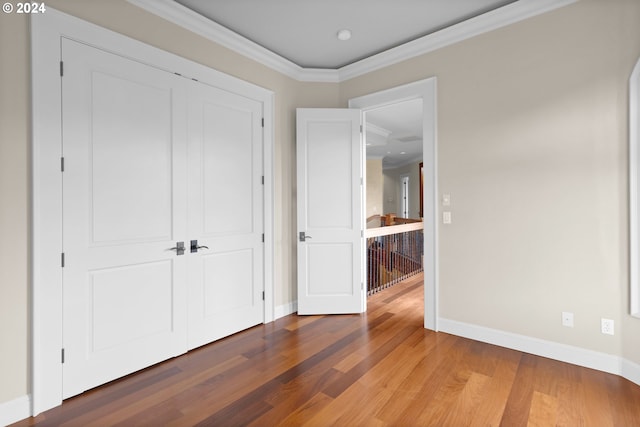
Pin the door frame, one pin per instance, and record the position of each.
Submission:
(46, 186)
(425, 90)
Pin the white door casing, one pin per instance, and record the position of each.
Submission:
(124, 146)
(330, 212)
(225, 213)
(425, 90)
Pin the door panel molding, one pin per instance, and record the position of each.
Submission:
(47, 31)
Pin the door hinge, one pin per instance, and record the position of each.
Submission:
(262, 295)
(262, 237)
(61, 164)
(61, 69)
(62, 259)
(62, 355)
(360, 128)
(361, 233)
(263, 122)
(262, 179)
(362, 285)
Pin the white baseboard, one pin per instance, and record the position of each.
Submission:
(630, 371)
(285, 310)
(15, 410)
(553, 350)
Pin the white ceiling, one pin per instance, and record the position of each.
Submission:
(295, 37)
(394, 133)
(304, 31)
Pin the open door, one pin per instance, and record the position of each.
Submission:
(330, 212)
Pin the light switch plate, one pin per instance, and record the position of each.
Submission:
(446, 217)
(567, 319)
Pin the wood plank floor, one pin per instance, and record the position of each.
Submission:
(378, 369)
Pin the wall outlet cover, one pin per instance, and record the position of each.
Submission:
(606, 326)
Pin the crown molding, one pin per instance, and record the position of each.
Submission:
(192, 21)
(198, 24)
(506, 15)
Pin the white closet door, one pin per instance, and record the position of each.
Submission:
(225, 214)
(124, 207)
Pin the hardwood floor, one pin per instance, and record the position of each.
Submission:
(378, 369)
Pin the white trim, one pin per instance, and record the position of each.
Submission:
(192, 21)
(46, 311)
(427, 91)
(269, 209)
(286, 309)
(393, 229)
(47, 31)
(630, 371)
(552, 350)
(15, 410)
(498, 18)
(634, 190)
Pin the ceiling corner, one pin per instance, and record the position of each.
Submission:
(192, 21)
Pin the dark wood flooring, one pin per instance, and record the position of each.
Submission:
(378, 369)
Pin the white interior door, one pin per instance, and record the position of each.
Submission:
(226, 281)
(124, 207)
(330, 212)
(151, 160)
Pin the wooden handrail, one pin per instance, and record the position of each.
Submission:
(372, 217)
(393, 229)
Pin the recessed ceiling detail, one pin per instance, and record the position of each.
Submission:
(302, 31)
(394, 133)
(298, 38)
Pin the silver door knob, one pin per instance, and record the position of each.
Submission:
(303, 236)
(195, 246)
(179, 248)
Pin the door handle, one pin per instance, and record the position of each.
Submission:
(179, 248)
(195, 247)
(303, 236)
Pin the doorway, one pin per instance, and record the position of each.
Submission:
(425, 91)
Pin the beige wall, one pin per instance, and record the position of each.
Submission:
(532, 134)
(374, 188)
(532, 147)
(14, 206)
(393, 189)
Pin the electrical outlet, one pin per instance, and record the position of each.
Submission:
(567, 319)
(607, 326)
